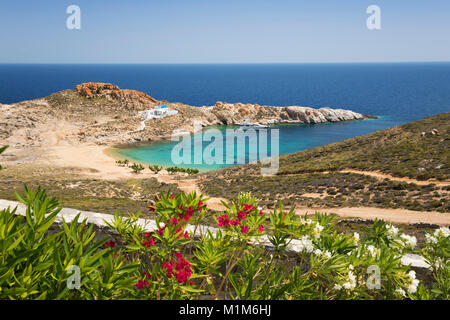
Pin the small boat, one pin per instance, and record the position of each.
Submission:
(250, 125)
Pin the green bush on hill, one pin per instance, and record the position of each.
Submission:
(155, 168)
(183, 170)
(137, 167)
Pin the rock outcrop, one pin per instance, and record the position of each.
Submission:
(132, 99)
(235, 113)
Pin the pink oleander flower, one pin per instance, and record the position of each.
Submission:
(148, 243)
(223, 221)
(244, 229)
(161, 230)
(109, 244)
(235, 222)
(151, 207)
(201, 205)
(187, 215)
(141, 284)
(181, 234)
(261, 228)
(248, 207)
(181, 266)
(242, 215)
(169, 268)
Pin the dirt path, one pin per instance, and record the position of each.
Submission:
(391, 215)
(382, 176)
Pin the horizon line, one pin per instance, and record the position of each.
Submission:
(211, 63)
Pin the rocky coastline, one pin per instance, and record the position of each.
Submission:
(104, 114)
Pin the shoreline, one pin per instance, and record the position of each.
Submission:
(114, 151)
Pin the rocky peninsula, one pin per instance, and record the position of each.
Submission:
(104, 114)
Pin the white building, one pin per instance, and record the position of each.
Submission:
(157, 112)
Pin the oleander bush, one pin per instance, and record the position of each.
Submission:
(251, 255)
(35, 261)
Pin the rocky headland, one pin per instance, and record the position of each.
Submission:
(104, 114)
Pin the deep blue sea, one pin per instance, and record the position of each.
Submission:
(397, 92)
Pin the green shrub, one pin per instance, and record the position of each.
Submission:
(137, 167)
(155, 168)
(122, 163)
(175, 169)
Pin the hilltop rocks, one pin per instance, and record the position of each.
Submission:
(131, 98)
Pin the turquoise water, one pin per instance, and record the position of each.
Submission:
(292, 138)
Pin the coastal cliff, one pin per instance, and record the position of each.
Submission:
(104, 114)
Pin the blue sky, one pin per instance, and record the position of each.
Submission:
(226, 31)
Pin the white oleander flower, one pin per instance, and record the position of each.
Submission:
(442, 232)
(400, 292)
(337, 286)
(392, 230)
(306, 244)
(321, 253)
(412, 288)
(430, 239)
(439, 263)
(373, 251)
(356, 237)
(351, 283)
(317, 230)
(409, 241)
(347, 285)
(306, 221)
